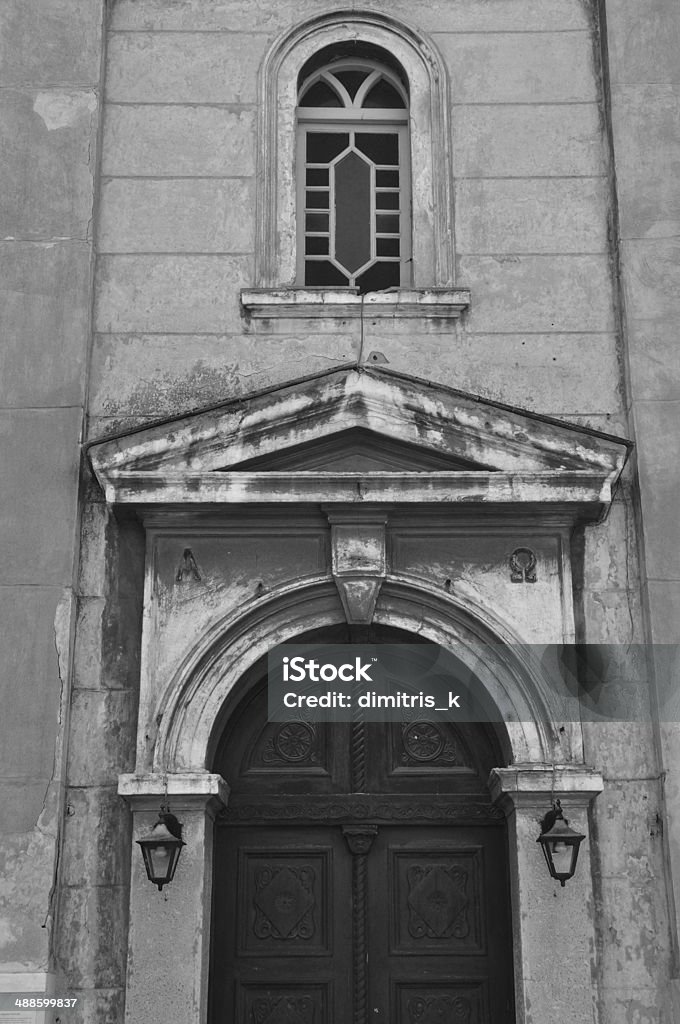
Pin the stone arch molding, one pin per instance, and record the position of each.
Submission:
(433, 251)
(190, 711)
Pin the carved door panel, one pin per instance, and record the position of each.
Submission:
(283, 931)
(360, 876)
(439, 949)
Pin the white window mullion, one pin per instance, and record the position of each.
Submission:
(356, 121)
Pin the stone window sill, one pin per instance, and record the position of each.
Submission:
(341, 303)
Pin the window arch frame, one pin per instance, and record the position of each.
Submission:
(352, 117)
(376, 72)
(432, 217)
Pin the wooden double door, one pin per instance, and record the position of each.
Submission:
(360, 876)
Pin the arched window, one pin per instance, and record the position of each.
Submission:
(353, 196)
(314, 80)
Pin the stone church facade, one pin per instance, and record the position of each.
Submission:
(345, 323)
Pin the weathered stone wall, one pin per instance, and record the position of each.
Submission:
(50, 61)
(536, 216)
(177, 228)
(92, 915)
(641, 54)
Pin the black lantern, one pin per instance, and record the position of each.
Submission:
(161, 849)
(560, 844)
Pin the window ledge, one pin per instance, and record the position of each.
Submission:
(341, 303)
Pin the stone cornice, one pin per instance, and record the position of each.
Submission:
(183, 790)
(566, 490)
(345, 303)
(536, 786)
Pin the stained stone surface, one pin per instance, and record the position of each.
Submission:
(153, 153)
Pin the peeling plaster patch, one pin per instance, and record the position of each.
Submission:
(638, 1013)
(62, 109)
(62, 631)
(25, 897)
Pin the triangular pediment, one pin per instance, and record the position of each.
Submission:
(367, 425)
(358, 450)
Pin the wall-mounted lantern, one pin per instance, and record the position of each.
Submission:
(161, 849)
(560, 844)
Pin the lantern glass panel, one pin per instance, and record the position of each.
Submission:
(562, 857)
(161, 862)
(161, 851)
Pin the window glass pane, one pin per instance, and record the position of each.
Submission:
(317, 176)
(388, 223)
(351, 79)
(358, 168)
(322, 147)
(318, 246)
(383, 95)
(387, 246)
(321, 272)
(317, 200)
(321, 95)
(384, 179)
(352, 211)
(387, 200)
(380, 275)
(382, 148)
(316, 222)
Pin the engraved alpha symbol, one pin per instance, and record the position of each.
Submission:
(187, 568)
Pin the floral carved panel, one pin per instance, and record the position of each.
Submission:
(283, 903)
(284, 1005)
(439, 902)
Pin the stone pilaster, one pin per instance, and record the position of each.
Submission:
(169, 948)
(554, 933)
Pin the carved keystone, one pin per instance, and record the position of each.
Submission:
(359, 837)
(358, 561)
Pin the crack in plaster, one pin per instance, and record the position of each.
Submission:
(48, 823)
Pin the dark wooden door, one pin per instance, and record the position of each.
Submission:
(439, 950)
(283, 926)
(360, 876)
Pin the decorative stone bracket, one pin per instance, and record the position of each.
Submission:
(358, 561)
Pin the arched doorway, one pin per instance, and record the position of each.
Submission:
(360, 871)
(278, 548)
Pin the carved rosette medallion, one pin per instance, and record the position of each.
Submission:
(283, 1010)
(429, 743)
(289, 745)
(284, 901)
(448, 1009)
(438, 902)
(423, 741)
(294, 741)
